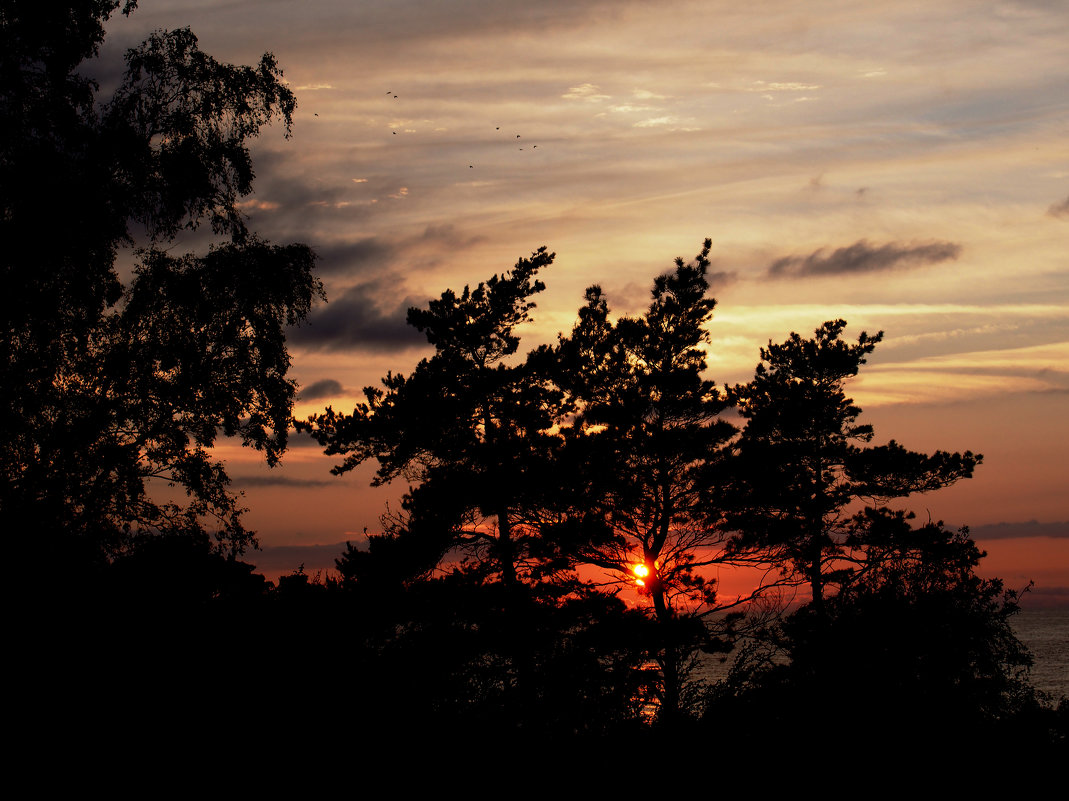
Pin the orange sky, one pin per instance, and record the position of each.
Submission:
(904, 166)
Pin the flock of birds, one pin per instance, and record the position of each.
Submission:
(389, 93)
(470, 166)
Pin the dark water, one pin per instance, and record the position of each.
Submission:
(1046, 633)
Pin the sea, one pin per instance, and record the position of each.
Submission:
(1044, 631)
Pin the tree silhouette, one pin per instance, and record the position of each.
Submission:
(116, 390)
(916, 649)
(797, 476)
(467, 426)
(643, 437)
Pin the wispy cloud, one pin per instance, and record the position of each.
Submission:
(588, 92)
(655, 122)
(783, 86)
(628, 108)
(1060, 210)
(259, 205)
(721, 279)
(1031, 528)
(280, 481)
(862, 257)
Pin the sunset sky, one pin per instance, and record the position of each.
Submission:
(902, 165)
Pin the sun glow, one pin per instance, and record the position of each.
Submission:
(644, 572)
(641, 571)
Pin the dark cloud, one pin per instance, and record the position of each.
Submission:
(446, 235)
(280, 481)
(719, 281)
(862, 257)
(374, 254)
(326, 388)
(363, 256)
(301, 202)
(357, 320)
(1060, 210)
(301, 439)
(1032, 528)
(409, 23)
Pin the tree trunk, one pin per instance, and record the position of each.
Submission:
(670, 699)
(506, 548)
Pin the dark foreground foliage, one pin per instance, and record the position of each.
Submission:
(465, 622)
(917, 654)
(175, 641)
(117, 385)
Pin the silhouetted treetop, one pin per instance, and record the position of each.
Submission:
(466, 425)
(115, 390)
(642, 433)
(798, 465)
(478, 325)
(179, 124)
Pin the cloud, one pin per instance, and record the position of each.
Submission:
(1060, 210)
(374, 258)
(862, 257)
(357, 320)
(280, 481)
(721, 279)
(291, 205)
(627, 108)
(783, 86)
(447, 236)
(258, 205)
(355, 258)
(585, 91)
(655, 122)
(325, 388)
(1031, 528)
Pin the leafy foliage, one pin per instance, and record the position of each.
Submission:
(116, 390)
(797, 476)
(639, 447)
(468, 426)
(917, 648)
(645, 429)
